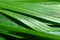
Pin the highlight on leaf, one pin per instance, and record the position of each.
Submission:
(29, 20)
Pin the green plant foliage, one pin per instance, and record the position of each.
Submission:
(29, 20)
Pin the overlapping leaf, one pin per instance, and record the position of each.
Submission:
(40, 9)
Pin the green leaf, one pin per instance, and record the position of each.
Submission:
(47, 10)
(36, 25)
